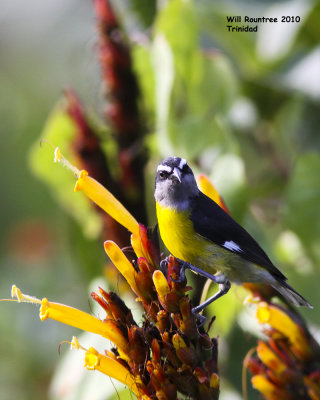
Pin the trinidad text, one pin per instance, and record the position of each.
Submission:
(243, 28)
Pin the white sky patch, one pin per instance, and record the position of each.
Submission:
(183, 162)
(230, 245)
(164, 168)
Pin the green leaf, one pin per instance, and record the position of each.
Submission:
(288, 125)
(193, 134)
(145, 9)
(302, 212)
(192, 113)
(177, 22)
(164, 75)
(143, 67)
(59, 130)
(240, 47)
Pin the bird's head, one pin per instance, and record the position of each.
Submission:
(175, 183)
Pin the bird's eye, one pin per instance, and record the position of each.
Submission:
(163, 174)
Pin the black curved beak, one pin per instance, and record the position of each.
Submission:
(177, 173)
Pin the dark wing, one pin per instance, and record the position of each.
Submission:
(213, 223)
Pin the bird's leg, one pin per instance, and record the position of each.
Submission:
(220, 279)
(185, 265)
(223, 289)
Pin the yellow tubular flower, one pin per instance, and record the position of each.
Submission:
(82, 320)
(122, 263)
(79, 319)
(160, 283)
(100, 195)
(104, 199)
(281, 321)
(139, 247)
(110, 366)
(209, 190)
(261, 383)
(269, 358)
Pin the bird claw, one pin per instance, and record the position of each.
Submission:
(201, 318)
(220, 279)
(182, 276)
(164, 264)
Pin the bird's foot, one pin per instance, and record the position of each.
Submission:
(182, 276)
(164, 264)
(201, 319)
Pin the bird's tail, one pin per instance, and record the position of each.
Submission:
(291, 295)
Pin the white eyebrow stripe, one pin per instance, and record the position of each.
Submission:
(183, 162)
(230, 245)
(164, 168)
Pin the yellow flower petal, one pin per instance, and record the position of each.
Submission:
(138, 246)
(261, 383)
(99, 194)
(82, 320)
(93, 360)
(160, 283)
(77, 318)
(104, 199)
(214, 381)
(209, 190)
(281, 321)
(178, 342)
(122, 263)
(270, 359)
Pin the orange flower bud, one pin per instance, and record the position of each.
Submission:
(188, 324)
(186, 355)
(163, 321)
(138, 348)
(155, 350)
(214, 381)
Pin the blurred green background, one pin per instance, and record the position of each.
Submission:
(242, 108)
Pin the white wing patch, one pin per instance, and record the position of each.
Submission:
(230, 245)
(164, 168)
(183, 162)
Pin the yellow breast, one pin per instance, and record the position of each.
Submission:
(183, 242)
(178, 235)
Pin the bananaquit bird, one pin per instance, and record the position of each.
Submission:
(206, 239)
